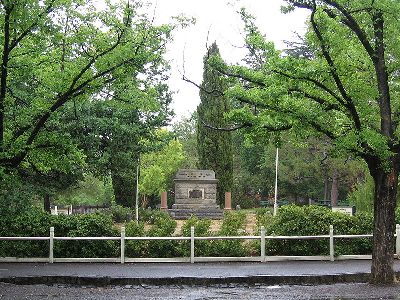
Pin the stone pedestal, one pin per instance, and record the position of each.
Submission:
(164, 205)
(195, 194)
(228, 201)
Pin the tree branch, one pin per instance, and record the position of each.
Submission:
(333, 71)
(215, 93)
(328, 106)
(316, 83)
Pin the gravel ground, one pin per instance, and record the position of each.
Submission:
(321, 292)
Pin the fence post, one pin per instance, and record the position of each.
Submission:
(51, 247)
(262, 244)
(122, 244)
(192, 244)
(398, 241)
(331, 245)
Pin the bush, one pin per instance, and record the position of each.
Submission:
(263, 217)
(135, 248)
(121, 214)
(34, 222)
(363, 195)
(201, 228)
(232, 225)
(163, 225)
(315, 220)
(37, 223)
(96, 224)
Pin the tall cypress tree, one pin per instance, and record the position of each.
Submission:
(214, 147)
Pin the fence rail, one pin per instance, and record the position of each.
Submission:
(192, 259)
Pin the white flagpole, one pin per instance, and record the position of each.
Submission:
(276, 182)
(137, 193)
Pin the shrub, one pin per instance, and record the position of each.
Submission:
(315, 220)
(201, 228)
(233, 225)
(135, 248)
(263, 217)
(96, 224)
(163, 225)
(34, 222)
(121, 214)
(37, 223)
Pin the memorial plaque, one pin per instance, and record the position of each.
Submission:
(195, 194)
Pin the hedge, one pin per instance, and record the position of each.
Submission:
(291, 220)
(315, 220)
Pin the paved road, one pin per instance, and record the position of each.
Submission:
(201, 270)
(223, 292)
(272, 280)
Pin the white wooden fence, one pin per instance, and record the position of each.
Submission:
(192, 259)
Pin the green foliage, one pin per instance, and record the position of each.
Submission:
(82, 86)
(214, 147)
(233, 225)
(185, 132)
(121, 214)
(315, 220)
(163, 225)
(135, 248)
(363, 195)
(159, 167)
(245, 201)
(201, 228)
(97, 224)
(33, 222)
(89, 191)
(16, 196)
(263, 216)
(37, 223)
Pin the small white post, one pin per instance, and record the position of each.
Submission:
(51, 247)
(398, 241)
(192, 245)
(262, 258)
(55, 210)
(122, 244)
(331, 245)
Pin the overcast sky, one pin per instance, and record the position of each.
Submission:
(217, 20)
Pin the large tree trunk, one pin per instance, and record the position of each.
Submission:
(384, 224)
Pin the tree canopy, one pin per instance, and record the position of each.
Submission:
(58, 53)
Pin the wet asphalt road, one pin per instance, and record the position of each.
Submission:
(320, 292)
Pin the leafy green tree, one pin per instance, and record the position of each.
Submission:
(62, 59)
(185, 132)
(158, 169)
(346, 91)
(214, 146)
(88, 191)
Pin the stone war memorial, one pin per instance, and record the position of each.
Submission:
(196, 194)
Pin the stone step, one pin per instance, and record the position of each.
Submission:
(200, 213)
(195, 201)
(195, 207)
